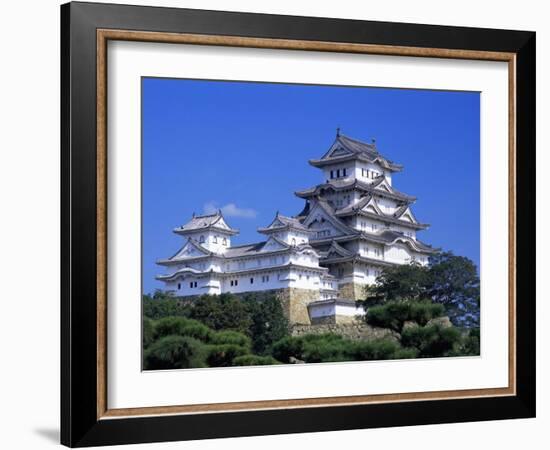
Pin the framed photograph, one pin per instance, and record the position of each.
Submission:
(276, 224)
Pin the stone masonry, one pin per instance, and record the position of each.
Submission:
(351, 291)
(294, 302)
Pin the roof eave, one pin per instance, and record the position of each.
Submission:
(182, 232)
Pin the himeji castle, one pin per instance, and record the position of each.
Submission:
(318, 262)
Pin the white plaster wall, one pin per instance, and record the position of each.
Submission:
(359, 166)
(387, 205)
(404, 230)
(366, 224)
(317, 311)
(398, 253)
(349, 166)
(350, 311)
(210, 238)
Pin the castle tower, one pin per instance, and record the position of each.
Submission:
(361, 223)
(210, 231)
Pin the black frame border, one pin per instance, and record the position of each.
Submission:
(79, 423)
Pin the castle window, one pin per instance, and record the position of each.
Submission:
(338, 173)
(331, 174)
(201, 240)
(236, 282)
(252, 281)
(195, 284)
(215, 239)
(224, 241)
(179, 286)
(191, 285)
(293, 242)
(343, 172)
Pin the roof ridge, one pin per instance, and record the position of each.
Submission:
(201, 216)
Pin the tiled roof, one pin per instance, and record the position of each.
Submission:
(283, 222)
(353, 148)
(204, 222)
(356, 184)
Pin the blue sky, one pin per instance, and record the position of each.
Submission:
(244, 147)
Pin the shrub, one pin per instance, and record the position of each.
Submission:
(423, 312)
(181, 326)
(469, 345)
(162, 305)
(147, 332)
(221, 312)
(231, 337)
(223, 355)
(313, 348)
(432, 340)
(394, 314)
(268, 322)
(175, 352)
(287, 347)
(326, 348)
(391, 315)
(254, 360)
(378, 349)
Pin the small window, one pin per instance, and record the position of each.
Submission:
(231, 282)
(236, 282)
(331, 174)
(224, 241)
(179, 286)
(195, 284)
(343, 172)
(191, 285)
(201, 240)
(252, 281)
(215, 239)
(293, 242)
(338, 173)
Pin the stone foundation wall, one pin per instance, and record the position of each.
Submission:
(294, 302)
(351, 291)
(329, 320)
(355, 330)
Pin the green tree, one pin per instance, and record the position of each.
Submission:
(162, 304)
(182, 326)
(254, 360)
(432, 340)
(222, 355)
(175, 352)
(469, 345)
(394, 314)
(147, 332)
(231, 337)
(454, 282)
(221, 312)
(268, 322)
(449, 280)
(397, 283)
(380, 349)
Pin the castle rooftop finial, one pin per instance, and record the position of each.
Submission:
(337, 131)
